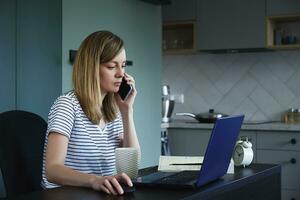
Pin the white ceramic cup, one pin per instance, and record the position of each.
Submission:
(127, 161)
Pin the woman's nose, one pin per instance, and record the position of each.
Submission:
(120, 72)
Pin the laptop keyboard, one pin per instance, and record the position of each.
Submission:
(180, 177)
(155, 176)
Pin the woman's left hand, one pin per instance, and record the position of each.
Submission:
(128, 103)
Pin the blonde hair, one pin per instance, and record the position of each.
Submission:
(99, 47)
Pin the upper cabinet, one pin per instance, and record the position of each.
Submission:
(282, 7)
(283, 32)
(230, 24)
(179, 10)
(283, 24)
(179, 37)
(179, 27)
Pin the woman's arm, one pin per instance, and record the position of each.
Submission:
(129, 136)
(126, 108)
(58, 173)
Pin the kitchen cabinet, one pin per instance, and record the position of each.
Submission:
(290, 195)
(282, 7)
(273, 147)
(282, 148)
(282, 23)
(283, 32)
(179, 27)
(179, 10)
(188, 142)
(231, 24)
(178, 37)
(193, 142)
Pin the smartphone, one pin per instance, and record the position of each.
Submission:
(125, 90)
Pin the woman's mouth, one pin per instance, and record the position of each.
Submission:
(117, 84)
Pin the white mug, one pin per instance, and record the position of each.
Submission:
(127, 161)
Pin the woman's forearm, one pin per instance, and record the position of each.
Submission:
(62, 175)
(129, 137)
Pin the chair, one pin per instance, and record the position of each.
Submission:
(2, 189)
(21, 151)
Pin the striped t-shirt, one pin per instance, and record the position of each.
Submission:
(90, 149)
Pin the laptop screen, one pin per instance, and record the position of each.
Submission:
(220, 148)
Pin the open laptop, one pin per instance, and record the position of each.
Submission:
(215, 163)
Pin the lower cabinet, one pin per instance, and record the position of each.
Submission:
(188, 142)
(290, 194)
(282, 148)
(193, 142)
(290, 169)
(271, 147)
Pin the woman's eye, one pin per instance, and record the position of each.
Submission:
(111, 67)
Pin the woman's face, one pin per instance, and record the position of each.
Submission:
(111, 73)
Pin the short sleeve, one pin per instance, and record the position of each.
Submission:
(119, 124)
(61, 116)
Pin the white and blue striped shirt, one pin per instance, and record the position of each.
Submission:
(90, 149)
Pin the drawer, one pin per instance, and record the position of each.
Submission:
(252, 137)
(290, 171)
(278, 141)
(188, 142)
(290, 195)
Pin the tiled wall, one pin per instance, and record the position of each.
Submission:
(261, 85)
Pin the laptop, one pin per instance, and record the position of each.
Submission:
(215, 163)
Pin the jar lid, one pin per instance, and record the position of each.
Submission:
(292, 110)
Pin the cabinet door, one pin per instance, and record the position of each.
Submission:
(278, 141)
(179, 10)
(290, 194)
(282, 7)
(231, 24)
(7, 55)
(290, 170)
(188, 142)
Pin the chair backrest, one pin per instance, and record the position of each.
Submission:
(2, 188)
(21, 151)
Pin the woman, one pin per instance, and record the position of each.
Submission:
(86, 124)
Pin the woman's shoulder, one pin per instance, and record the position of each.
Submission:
(68, 98)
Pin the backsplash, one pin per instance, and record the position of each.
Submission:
(260, 85)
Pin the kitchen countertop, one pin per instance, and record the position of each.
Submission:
(268, 126)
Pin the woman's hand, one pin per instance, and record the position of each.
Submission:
(111, 184)
(128, 103)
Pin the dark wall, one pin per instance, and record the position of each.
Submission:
(30, 64)
(7, 54)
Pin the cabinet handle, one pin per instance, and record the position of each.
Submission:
(293, 141)
(293, 160)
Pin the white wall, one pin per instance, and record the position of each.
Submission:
(260, 85)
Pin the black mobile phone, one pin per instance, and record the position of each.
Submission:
(124, 90)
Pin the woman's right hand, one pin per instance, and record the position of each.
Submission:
(111, 184)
